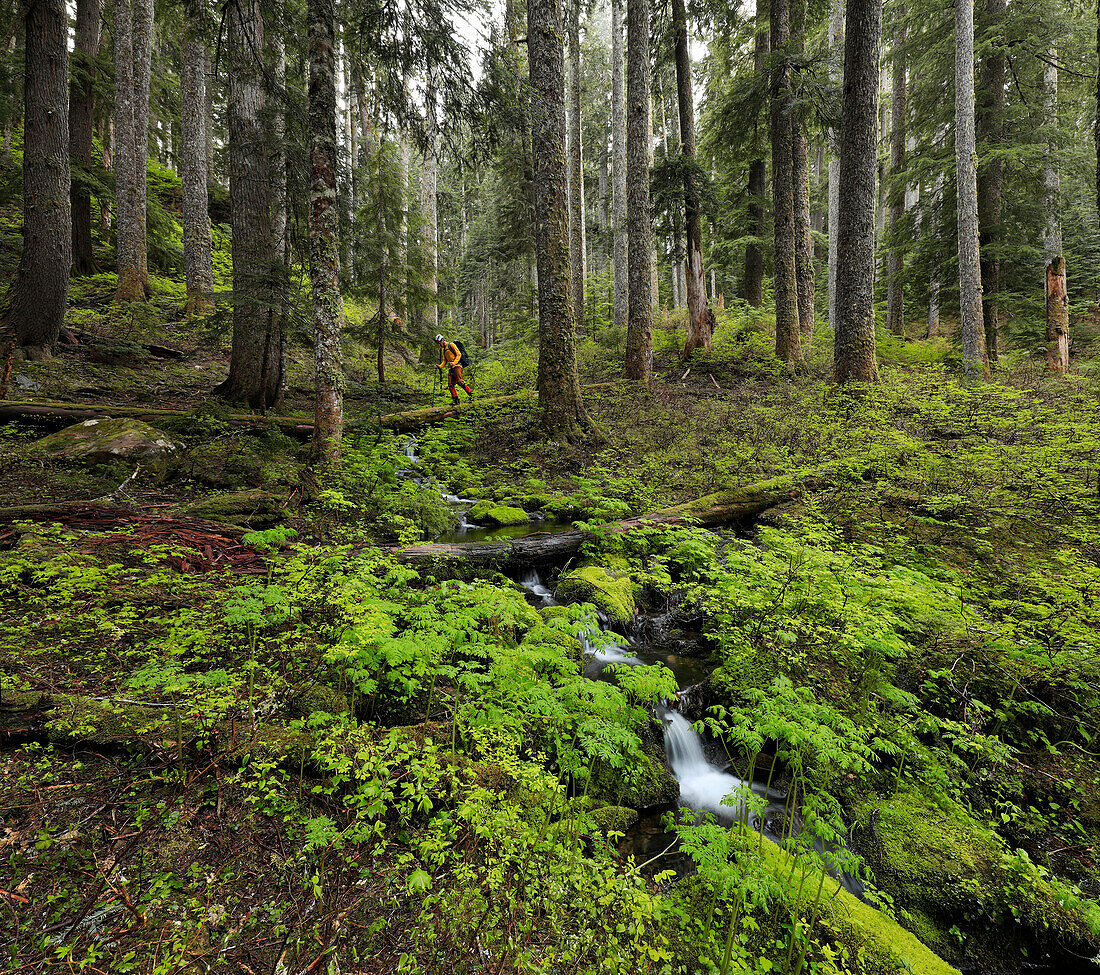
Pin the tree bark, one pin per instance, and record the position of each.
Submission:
(895, 285)
(1057, 300)
(800, 177)
(39, 293)
(754, 254)
(559, 389)
(324, 230)
(639, 338)
(970, 280)
(788, 346)
(618, 167)
(854, 357)
(429, 234)
(934, 277)
(990, 135)
(700, 317)
(578, 252)
(197, 263)
(129, 215)
(81, 125)
(836, 76)
(256, 363)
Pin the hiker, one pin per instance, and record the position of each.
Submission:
(453, 356)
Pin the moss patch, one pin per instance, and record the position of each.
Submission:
(614, 818)
(607, 590)
(240, 508)
(495, 514)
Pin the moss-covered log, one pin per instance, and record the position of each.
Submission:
(712, 510)
(54, 415)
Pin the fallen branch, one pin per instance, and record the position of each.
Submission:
(721, 508)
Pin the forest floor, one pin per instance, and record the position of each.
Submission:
(237, 734)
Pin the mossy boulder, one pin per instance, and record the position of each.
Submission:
(946, 870)
(543, 634)
(617, 819)
(241, 508)
(485, 512)
(99, 441)
(238, 461)
(318, 698)
(607, 589)
(645, 783)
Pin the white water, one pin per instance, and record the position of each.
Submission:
(532, 582)
(461, 506)
(702, 785)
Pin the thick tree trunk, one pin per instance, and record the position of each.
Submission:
(639, 338)
(788, 346)
(895, 284)
(429, 234)
(966, 153)
(38, 298)
(800, 178)
(81, 125)
(753, 288)
(836, 76)
(1057, 300)
(700, 317)
(618, 167)
(559, 389)
(854, 357)
(276, 125)
(197, 265)
(578, 250)
(990, 134)
(128, 231)
(106, 137)
(256, 364)
(324, 230)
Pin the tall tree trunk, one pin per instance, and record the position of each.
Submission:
(895, 284)
(429, 234)
(836, 75)
(38, 298)
(128, 232)
(754, 254)
(81, 123)
(143, 74)
(618, 166)
(654, 277)
(324, 229)
(197, 265)
(800, 178)
(558, 386)
(256, 362)
(639, 336)
(276, 125)
(700, 317)
(966, 152)
(106, 140)
(578, 242)
(788, 346)
(934, 277)
(854, 357)
(990, 133)
(1057, 300)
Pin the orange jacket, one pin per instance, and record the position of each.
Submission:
(451, 355)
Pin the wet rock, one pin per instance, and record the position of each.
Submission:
(97, 441)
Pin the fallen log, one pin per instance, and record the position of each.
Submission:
(55, 415)
(728, 507)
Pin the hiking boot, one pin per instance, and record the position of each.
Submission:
(454, 400)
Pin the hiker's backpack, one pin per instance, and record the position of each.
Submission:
(463, 359)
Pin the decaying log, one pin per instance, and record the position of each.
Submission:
(711, 511)
(55, 415)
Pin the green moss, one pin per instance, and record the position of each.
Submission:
(614, 818)
(318, 697)
(605, 589)
(647, 783)
(498, 514)
(551, 635)
(886, 947)
(240, 508)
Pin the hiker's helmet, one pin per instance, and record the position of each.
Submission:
(439, 338)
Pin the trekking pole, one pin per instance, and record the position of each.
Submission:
(435, 385)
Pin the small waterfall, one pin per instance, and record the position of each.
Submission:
(410, 450)
(702, 785)
(532, 582)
